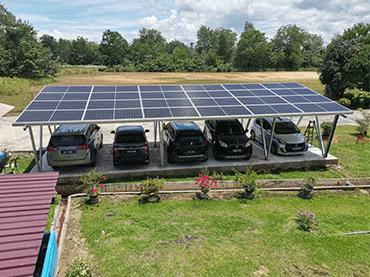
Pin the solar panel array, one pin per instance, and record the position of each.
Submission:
(56, 104)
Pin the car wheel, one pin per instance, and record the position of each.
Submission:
(169, 160)
(55, 167)
(101, 142)
(215, 154)
(94, 158)
(253, 135)
(274, 149)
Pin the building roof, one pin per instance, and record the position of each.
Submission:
(4, 109)
(55, 105)
(24, 206)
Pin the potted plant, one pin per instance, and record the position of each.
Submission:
(91, 184)
(150, 188)
(247, 181)
(205, 184)
(308, 187)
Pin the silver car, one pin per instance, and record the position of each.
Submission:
(287, 139)
(74, 145)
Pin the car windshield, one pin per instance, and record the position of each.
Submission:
(286, 128)
(130, 138)
(58, 141)
(228, 129)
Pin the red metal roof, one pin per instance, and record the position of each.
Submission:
(24, 206)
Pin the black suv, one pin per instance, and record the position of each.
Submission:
(228, 139)
(130, 144)
(185, 141)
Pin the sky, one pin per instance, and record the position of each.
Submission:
(181, 19)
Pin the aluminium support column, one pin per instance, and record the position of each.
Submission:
(161, 147)
(320, 136)
(263, 139)
(272, 135)
(331, 135)
(155, 133)
(40, 150)
(34, 147)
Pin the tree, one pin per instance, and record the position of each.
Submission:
(51, 43)
(113, 48)
(225, 43)
(206, 40)
(83, 52)
(358, 69)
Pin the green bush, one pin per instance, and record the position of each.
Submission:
(363, 124)
(326, 128)
(78, 268)
(361, 100)
(345, 102)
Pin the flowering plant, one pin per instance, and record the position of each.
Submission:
(306, 220)
(205, 183)
(151, 186)
(91, 183)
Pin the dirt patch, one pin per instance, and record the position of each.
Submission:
(142, 78)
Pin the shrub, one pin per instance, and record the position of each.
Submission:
(306, 220)
(78, 268)
(363, 124)
(326, 128)
(151, 186)
(345, 102)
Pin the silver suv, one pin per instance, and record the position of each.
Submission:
(287, 139)
(74, 145)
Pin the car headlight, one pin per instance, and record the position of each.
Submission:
(248, 144)
(222, 144)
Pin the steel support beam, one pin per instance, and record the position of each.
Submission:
(318, 126)
(263, 139)
(334, 125)
(40, 150)
(34, 147)
(155, 133)
(272, 135)
(161, 145)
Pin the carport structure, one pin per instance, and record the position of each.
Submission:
(56, 105)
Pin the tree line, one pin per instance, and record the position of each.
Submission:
(344, 63)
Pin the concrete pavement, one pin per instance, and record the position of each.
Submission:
(16, 139)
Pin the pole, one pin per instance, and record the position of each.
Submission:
(272, 135)
(34, 147)
(331, 135)
(320, 136)
(40, 150)
(161, 147)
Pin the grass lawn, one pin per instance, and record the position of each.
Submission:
(229, 237)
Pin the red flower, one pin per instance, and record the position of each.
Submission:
(101, 186)
(94, 190)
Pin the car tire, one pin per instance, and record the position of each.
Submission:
(274, 148)
(253, 135)
(55, 167)
(216, 155)
(101, 142)
(94, 158)
(169, 160)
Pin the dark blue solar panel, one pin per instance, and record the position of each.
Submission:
(102, 95)
(292, 85)
(127, 88)
(72, 105)
(223, 93)
(251, 101)
(43, 105)
(154, 103)
(270, 86)
(317, 98)
(127, 104)
(304, 91)
(184, 112)
(211, 111)
(34, 116)
(253, 86)
(104, 89)
(76, 96)
(128, 114)
(198, 94)
(171, 88)
(79, 89)
(179, 103)
(213, 87)
(310, 108)
(241, 93)
(98, 115)
(174, 94)
(150, 88)
(262, 92)
(295, 99)
(233, 86)
(285, 109)
(272, 100)
(67, 116)
(236, 111)
(49, 96)
(100, 105)
(124, 96)
(192, 87)
(283, 92)
(227, 102)
(54, 89)
(331, 107)
(204, 102)
(157, 113)
(262, 110)
(152, 95)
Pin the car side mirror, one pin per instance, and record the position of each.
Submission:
(147, 131)
(112, 132)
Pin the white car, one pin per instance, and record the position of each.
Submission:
(287, 139)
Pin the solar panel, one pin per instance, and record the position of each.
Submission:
(170, 102)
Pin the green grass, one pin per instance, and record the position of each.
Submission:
(229, 238)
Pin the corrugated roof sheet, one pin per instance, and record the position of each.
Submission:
(24, 206)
